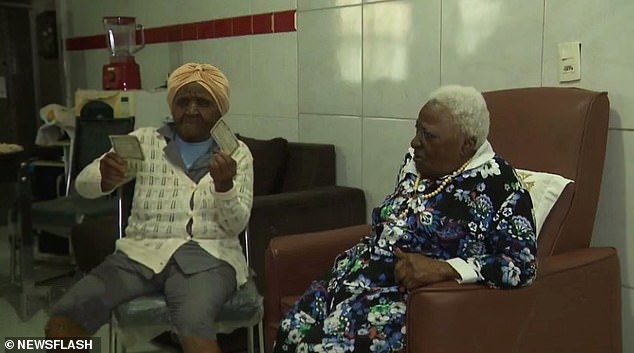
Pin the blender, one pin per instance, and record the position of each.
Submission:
(122, 73)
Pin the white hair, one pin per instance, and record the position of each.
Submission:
(468, 108)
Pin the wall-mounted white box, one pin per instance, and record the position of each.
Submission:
(569, 61)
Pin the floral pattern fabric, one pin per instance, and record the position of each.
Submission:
(484, 216)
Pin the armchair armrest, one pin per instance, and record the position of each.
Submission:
(573, 306)
(313, 253)
(298, 212)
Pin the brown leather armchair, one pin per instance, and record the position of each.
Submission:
(573, 306)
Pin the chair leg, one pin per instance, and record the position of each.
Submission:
(13, 260)
(114, 340)
(261, 336)
(250, 340)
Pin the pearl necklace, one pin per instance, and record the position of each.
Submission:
(442, 185)
(440, 188)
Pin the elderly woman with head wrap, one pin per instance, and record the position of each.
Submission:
(191, 201)
(458, 211)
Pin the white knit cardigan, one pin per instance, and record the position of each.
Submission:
(161, 207)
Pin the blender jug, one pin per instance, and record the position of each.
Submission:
(121, 35)
(122, 73)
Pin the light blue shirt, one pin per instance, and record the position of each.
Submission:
(191, 151)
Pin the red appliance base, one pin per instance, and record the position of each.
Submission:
(121, 76)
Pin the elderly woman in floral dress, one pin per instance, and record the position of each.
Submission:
(458, 212)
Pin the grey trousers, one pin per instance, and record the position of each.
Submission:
(194, 295)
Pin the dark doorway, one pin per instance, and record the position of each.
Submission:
(18, 111)
(29, 77)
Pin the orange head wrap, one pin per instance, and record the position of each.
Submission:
(208, 76)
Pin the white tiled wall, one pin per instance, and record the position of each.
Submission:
(401, 56)
(153, 72)
(321, 4)
(489, 45)
(329, 43)
(155, 13)
(616, 204)
(615, 218)
(627, 310)
(356, 72)
(76, 63)
(604, 29)
(85, 18)
(274, 75)
(385, 142)
(261, 6)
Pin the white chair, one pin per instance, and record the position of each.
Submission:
(145, 317)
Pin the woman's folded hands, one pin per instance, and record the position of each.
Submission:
(416, 270)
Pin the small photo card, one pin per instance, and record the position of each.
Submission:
(223, 136)
(127, 146)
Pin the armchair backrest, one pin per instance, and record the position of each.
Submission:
(309, 165)
(561, 131)
(281, 166)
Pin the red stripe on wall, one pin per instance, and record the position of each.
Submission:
(83, 43)
(275, 22)
(243, 26)
(263, 23)
(284, 21)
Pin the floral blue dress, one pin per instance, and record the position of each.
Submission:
(484, 216)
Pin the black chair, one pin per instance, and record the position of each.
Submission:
(59, 215)
(147, 316)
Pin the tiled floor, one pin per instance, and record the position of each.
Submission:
(10, 323)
